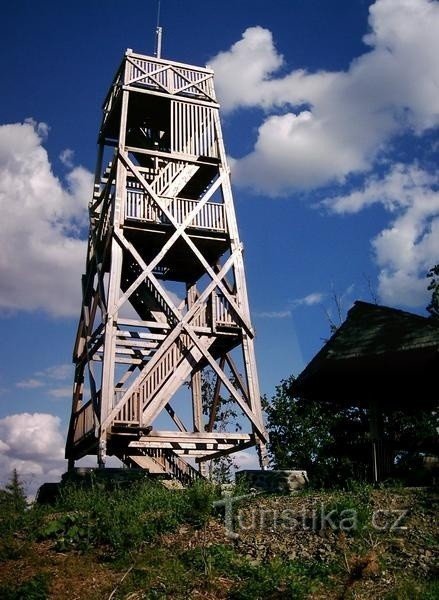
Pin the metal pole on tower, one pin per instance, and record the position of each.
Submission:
(158, 34)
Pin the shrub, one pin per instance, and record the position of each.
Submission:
(199, 498)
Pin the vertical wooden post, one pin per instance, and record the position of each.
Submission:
(108, 366)
(197, 401)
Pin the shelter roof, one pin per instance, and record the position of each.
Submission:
(377, 351)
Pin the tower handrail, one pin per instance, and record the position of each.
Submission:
(140, 207)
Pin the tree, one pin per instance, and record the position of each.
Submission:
(227, 417)
(305, 434)
(13, 495)
(332, 441)
(433, 287)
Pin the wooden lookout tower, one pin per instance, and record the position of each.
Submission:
(164, 294)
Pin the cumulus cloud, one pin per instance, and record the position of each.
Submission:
(401, 187)
(333, 123)
(409, 246)
(32, 444)
(42, 252)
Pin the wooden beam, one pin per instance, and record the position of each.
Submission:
(258, 425)
(216, 397)
(171, 412)
(225, 452)
(199, 435)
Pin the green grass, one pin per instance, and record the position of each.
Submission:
(348, 510)
(410, 589)
(35, 588)
(160, 574)
(119, 531)
(124, 519)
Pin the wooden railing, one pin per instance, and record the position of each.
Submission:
(211, 216)
(142, 208)
(169, 77)
(174, 465)
(112, 94)
(217, 312)
(84, 421)
(154, 380)
(166, 176)
(222, 312)
(131, 410)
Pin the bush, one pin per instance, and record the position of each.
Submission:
(70, 531)
(199, 498)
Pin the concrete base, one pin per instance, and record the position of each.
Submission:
(273, 482)
(89, 477)
(110, 477)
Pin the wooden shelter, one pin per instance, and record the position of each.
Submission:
(380, 359)
(164, 293)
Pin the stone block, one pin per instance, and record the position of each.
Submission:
(275, 481)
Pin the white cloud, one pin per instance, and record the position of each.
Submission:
(41, 255)
(57, 372)
(309, 300)
(246, 460)
(349, 116)
(62, 392)
(48, 378)
(279, 314)
(66, 157)
(409, 246)
(33, 444)
(34, 435)
(242, 74)
(3, 447)
(399, 188)
(42, 129)
(29, 384)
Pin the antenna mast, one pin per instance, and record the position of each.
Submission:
(158, 34)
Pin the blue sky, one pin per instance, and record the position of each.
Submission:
(330, 115)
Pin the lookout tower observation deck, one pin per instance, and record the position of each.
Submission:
(164, 292)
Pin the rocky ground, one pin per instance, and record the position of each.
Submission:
(365, 545)
(375, 548)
